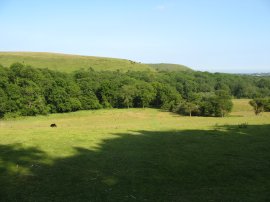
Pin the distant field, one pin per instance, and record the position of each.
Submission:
(241, 105)
(135, 155)
(69, 63)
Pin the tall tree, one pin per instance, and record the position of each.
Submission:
(145, 94)
(128, 93)
(258, 105)
(223, 103)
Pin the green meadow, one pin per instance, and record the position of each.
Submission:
(169, 67)
(69, 63)
(136, 155)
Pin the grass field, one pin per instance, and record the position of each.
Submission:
(169, 67)
(242, 105)
(136, 155)
(69, 63)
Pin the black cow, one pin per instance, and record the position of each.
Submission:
(53, 125)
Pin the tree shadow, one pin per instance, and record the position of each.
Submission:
(223, 164)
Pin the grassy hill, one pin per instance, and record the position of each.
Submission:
(169, 67)
(69, 63)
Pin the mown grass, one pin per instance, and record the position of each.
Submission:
(135, 155)
(70, 63)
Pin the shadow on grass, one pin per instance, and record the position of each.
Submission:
(234, 115)
(224, 164)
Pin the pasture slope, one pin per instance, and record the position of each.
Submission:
(70, 63)
(170, 67)
(136, 155)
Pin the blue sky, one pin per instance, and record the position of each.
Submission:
(210, 35)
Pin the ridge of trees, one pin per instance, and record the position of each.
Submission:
(27, 91)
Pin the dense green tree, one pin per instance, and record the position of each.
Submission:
(87, 97)
(222, 102)
(14, 97)
(258, 105)
(263, 83)
(145, 93)
(106, 94)
(3, 76)
(166, 97)
(128, 93)
(267, 105)
(189, 88)
(31, 91)
(222, 86)
(3, 103)
(187, 108)
(32, 101)
(207, 107)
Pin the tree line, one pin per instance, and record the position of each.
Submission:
(27, 91)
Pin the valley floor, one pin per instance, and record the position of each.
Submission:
(136, 155)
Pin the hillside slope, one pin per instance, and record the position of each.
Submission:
(69, 63)
(169, 67)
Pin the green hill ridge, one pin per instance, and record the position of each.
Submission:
(170, 67)
(70, 63)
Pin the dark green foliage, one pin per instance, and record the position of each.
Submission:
(32, 101)
(145, 94)
(89, 100)
(30, 91)
(188, 108)
(260, 105)
(267, 105)
(3, 103)
(128, 93)
(222, 103)
(3, 76)
(167, 97)
(207, 104)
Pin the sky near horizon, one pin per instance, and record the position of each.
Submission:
(207, 35)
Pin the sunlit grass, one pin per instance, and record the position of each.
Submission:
(89, 128)
(70, 63)
(134, 154)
